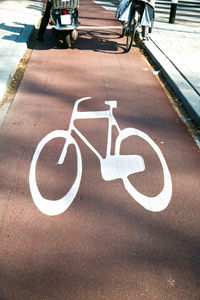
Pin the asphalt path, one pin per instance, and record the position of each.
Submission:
(105, 245)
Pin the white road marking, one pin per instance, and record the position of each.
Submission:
(112, 166)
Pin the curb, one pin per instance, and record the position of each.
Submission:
(176, 80)
(13, 63)
(15, 53)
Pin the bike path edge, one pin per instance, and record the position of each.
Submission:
(181, 86)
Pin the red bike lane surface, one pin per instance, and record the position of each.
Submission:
(106, 245)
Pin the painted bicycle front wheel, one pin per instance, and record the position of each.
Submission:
(153, 203)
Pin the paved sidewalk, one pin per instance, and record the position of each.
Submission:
(18, 19)
(176, 50)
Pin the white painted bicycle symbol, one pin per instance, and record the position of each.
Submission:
(112, 166)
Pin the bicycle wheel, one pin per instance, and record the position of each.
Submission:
(123, 29)
(54, 207)
(130, 36)
(156, 203)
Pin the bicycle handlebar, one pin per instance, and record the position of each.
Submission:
(80, 100)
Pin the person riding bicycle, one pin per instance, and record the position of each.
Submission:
(147, 14)
(44, 21)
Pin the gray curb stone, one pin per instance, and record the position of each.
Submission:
(180, 85)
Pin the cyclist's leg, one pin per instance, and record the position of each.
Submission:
(147, 16)
(145, 32)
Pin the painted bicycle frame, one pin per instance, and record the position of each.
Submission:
(112, 166)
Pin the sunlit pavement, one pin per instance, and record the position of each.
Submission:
(106, 245)
(17, 21)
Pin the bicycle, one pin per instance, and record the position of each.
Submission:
(112, 166)
(130, 26)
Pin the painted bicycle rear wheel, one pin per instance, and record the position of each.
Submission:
(55, 206)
